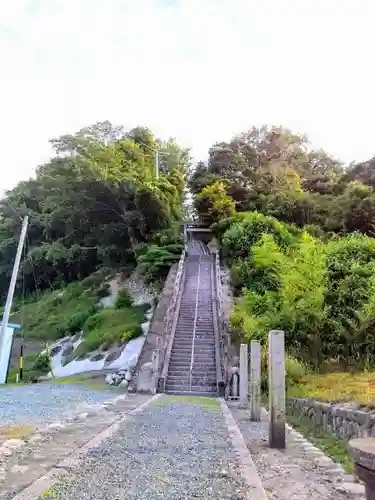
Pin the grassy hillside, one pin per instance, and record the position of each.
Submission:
(69, 310)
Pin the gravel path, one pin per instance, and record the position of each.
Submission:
(45, 403)
(175, 449)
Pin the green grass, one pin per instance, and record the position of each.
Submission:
(93, 381)
(202, 401)
(332, 446)
(56, 313)
(337, 387)
(109, 327)
(74, 308)
(28, 363)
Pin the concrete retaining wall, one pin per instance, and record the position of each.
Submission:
(156, 330)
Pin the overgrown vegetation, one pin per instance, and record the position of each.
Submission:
(157, 260)
(337, 387)
(274, 171)
(320, 293)
(111, 326)
(299, 244)
(34, 366)
(76, 307)
(95, 203)
(295, 370)
(63, 311)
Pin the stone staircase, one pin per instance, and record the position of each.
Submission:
(192, 368)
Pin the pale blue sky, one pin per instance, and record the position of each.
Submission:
(199, 70)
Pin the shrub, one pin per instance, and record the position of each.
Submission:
(110, 326)
(349, 294)
(213, 203)
(123, 299)
(156, 262)
(295, 370)
(285, 290)
(168, 236)
(42, 364)
(77, 320)
(241, 236)
(103, 291)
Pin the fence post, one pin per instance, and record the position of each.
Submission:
(276, 388)
(244, 376)
(255, 380)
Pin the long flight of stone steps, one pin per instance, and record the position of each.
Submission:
(192, 367)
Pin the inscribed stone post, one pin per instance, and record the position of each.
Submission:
(276, 389)
(244, 375)
(255, 381)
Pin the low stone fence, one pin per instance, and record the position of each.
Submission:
(346, 422)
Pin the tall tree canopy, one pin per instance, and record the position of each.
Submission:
(96, 202)
(275, 171)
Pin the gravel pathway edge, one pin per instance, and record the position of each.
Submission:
(247, 466)
(63, 468)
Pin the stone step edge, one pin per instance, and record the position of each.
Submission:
(344, 481)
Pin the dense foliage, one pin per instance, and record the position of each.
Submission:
(299, 242)
(273, 171)
(95, 203)
(322, 294)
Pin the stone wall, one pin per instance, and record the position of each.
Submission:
(143, 382)
(344, 421)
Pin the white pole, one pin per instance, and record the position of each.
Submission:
(157, 164)
(13, 281)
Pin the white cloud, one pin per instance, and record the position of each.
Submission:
(201, 70)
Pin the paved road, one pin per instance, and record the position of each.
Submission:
(44, 403)
(175, 449)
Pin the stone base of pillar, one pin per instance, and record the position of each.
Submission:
(368, 477)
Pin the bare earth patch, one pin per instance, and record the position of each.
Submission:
(15, 431)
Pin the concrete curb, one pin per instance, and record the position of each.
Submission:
(248, 469)
(62, 468)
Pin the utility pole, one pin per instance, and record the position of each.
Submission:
(13, 281)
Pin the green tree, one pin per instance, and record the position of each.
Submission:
(93, 204)
(213, 203)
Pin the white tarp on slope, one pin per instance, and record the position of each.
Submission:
(128, 358)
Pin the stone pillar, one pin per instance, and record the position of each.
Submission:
(244, 376)
(362, 451)
(155, 371)
(255, 381)
(276, 389)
